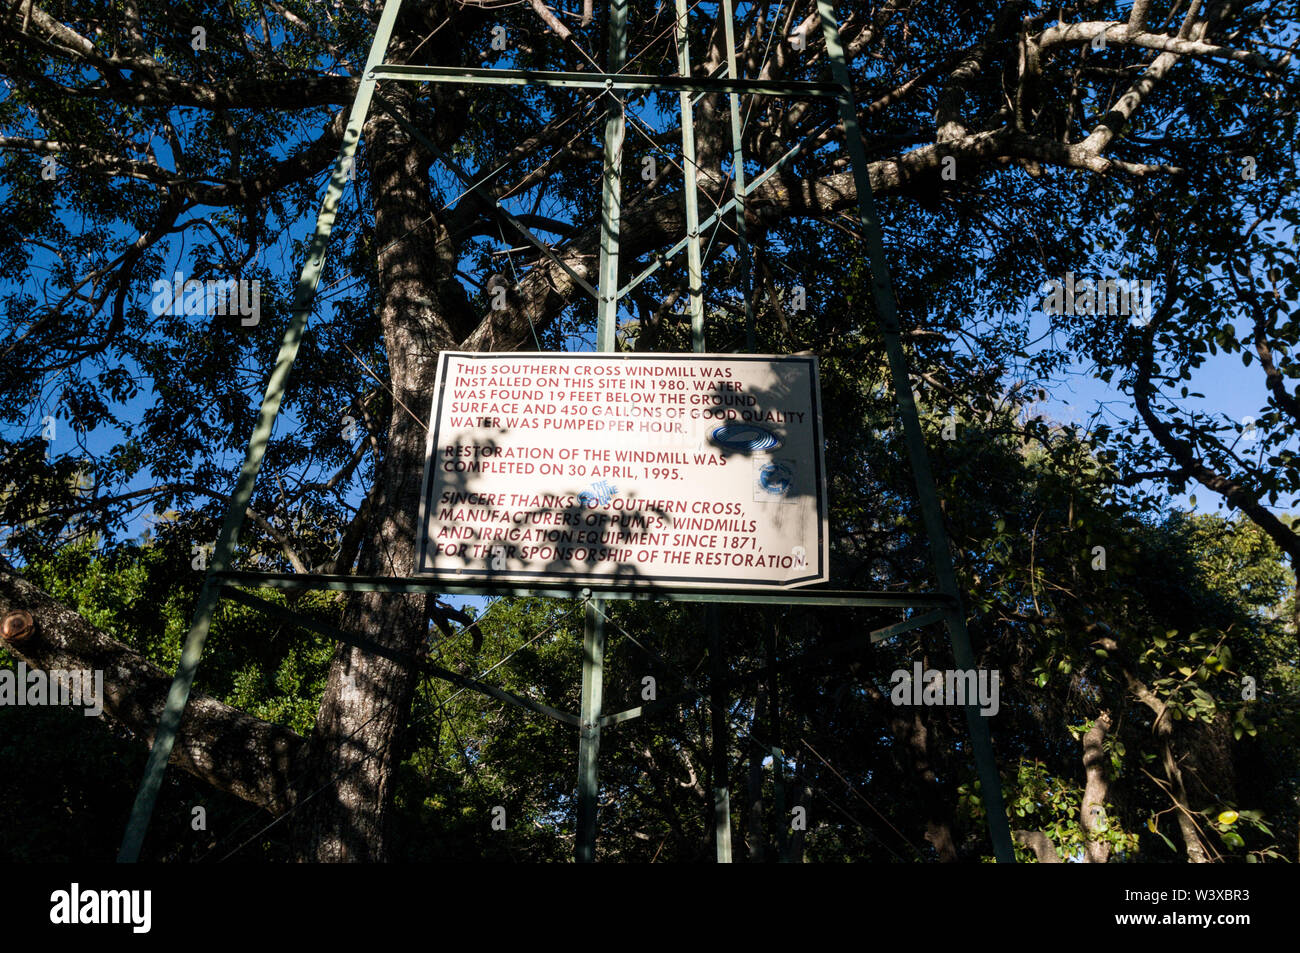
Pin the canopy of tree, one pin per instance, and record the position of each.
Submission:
(1147, 655)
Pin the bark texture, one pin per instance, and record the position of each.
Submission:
(355, 745)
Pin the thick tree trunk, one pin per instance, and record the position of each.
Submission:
(355, 747)
(914, 754)
(1092, 810)
(914, 733)
(1163, 727)
(1040, 844)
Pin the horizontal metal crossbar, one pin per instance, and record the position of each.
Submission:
(612, 81)
(528, 704)
(802, 596)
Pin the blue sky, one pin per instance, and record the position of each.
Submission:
(1229, 388)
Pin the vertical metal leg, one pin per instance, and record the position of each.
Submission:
(883, 295)
(982, 744)
(689, 189)
(593, 675)
(611, 198)
(593, 632)
(718, 666)
(721, 741)
(738, 176)
(179, 693)
(778, 801)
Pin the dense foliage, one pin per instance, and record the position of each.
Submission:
(1146, 653)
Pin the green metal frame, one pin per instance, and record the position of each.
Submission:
(738, 175)
(931, 607)
(882, 290)
(808, 596)
(179, 693)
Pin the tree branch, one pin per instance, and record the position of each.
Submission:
(232, 751)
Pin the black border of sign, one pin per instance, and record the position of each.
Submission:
(579, 580)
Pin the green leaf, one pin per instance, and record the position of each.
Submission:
(1232, 839)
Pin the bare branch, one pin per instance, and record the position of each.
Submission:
(550, 19)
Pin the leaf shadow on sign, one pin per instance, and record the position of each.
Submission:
(561, 523)
(591, 532)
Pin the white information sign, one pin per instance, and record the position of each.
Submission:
(652, 470)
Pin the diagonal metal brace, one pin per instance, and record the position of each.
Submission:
(320, 628)
(402, 658)
(907, 625)
(737, 201)
(466, 181)
(178, 694)
(500, 694)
